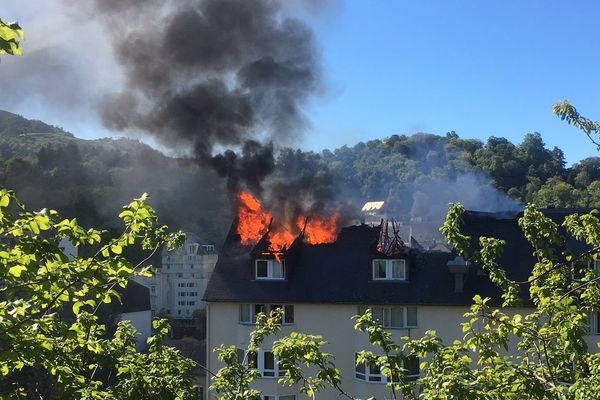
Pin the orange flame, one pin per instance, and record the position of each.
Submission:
(319, 229)
(280, 239)
(253, 224)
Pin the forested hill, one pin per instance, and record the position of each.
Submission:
(92, 179)
(417, 175)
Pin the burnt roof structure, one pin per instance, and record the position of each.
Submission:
(340, 272)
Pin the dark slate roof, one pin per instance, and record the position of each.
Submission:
(134, 297)
(339, 272)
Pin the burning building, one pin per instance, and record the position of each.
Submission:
(320, 286)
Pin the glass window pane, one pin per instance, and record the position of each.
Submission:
(277, 270)
(397, 317)
(411, 316)
(269, 360)
(258, 308)
(411, 365)
(597, 266)
(398, 269)
(261, 268)
(374, 373)
(360, 369)
(245, 313)
(377, 313)
(288, 397)
(275, 307)
(240, 355)
(253, 360)
(379, 269)
(289, 314)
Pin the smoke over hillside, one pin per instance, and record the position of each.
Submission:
(227, 82)
(212, 74)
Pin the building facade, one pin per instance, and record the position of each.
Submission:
(181, 280)
(321, 287)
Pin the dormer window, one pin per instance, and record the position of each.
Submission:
(389, 269)
(269, 269)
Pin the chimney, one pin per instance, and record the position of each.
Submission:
(459, 268)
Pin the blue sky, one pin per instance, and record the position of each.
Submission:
(480, 68)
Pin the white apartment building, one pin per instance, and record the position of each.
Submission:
(181, 280)
(321, 287)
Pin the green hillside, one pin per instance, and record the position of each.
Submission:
(92, 179)
(417, 175)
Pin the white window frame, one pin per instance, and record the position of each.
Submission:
(276, 371)
(389, 262)
(251, 308)
(386, 311)
(271, 264)
(369, 377)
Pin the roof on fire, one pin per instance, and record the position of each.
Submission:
(339, 272)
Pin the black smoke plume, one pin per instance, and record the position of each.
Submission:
(209, 75)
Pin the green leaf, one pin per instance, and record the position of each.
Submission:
(76, 307)
(117, 249)
(17, 270)
(4, 200)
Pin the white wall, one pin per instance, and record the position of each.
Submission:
(142, 320)
(335, 324)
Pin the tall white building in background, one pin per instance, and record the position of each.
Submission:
(179, 284)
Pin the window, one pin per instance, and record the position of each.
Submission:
(393, 317)
(208, 247)
(181, 303)
(286, 397)
(411, 365)
(153, 289)
(247, 358)
(248, 312)
(596, 265)
(191, 303)
(372, 373)
(288, 314)
(180, 275)
(389, 269)
(269, 269)
(268, 365)
(181, 294)
(178, 312)
(193, 294)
